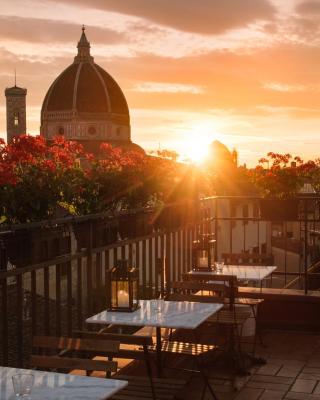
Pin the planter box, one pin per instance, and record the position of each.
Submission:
(279, 210)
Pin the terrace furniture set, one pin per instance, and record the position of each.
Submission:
(202, 297)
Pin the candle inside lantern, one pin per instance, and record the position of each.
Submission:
(123, 298)
(203, 262)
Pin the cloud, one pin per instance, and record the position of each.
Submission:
(160, 87)
(36, 30)
(198, 16)
(283, 87)
(311, 7)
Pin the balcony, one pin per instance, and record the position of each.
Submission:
(52, 278)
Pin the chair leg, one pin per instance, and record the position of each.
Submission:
(257, 331)
(205, 379)
(149, 370)
(108, 373)
(240, 353)
(203, 392)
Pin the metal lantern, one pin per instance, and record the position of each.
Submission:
(123, 288)
(202, 253)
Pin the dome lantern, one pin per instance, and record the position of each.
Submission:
(83, 49)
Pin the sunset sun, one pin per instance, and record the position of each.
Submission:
(197, 151)
(197, 141)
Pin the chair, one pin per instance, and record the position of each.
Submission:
(138, 386)
(182, 291)
(62, 347)
(94, 344)
(224, 289)
(250, 302)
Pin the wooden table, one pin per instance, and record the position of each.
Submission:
(54, 386)
(160, 314)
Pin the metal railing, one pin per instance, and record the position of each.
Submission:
(56, 295)
(63, 281)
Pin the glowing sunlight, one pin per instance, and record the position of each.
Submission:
(197, 141)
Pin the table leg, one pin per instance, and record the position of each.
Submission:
(158, 349)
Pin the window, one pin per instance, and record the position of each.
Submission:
(16, 118)
(255, 210)
(233, 214)
(245, 212)
(61, 130)
(118, 131)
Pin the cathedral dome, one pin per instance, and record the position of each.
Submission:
(86, 88)
(85, 103)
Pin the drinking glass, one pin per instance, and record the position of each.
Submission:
(22, 384)
(159, 306)
(219, 266)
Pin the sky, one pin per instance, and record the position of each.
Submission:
(245, 72)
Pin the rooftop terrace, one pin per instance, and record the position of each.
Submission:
(53, 277)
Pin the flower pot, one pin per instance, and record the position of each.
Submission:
(279, 209)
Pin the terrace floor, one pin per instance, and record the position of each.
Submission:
(292, 372)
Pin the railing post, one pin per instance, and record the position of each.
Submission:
(167, 262)
(89, 270)
(216, 230)
(4, 320)
(285, 250)
(19, 316)
(305, 247)
(3, 256)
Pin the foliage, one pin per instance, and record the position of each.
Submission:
(35, 177)
(38, 180)
(282, 176)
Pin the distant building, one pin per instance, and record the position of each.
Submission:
(219, 156)
(16, 111)
(87, 105)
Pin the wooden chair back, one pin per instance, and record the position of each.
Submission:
(128, 352)
(224, 288)
(122, 338)
(247, 259)
(62, 347)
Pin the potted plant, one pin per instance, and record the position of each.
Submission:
(278, 179)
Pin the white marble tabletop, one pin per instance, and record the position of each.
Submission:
(242, 272)
(160, 313)
(54, 386)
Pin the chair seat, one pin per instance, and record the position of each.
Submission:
(139, 388)
(249, 301)
(177, 347)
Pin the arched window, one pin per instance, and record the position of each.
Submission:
(61, 130)
(16, 118)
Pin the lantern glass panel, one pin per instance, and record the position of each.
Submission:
(135, 293)
(202, 254)
(203, 261)
(122, 294)
(123, 288)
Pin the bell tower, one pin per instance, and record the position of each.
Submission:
(16, 111)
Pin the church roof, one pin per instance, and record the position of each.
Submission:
(219, 147)
(15, 90)
(85, 87)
